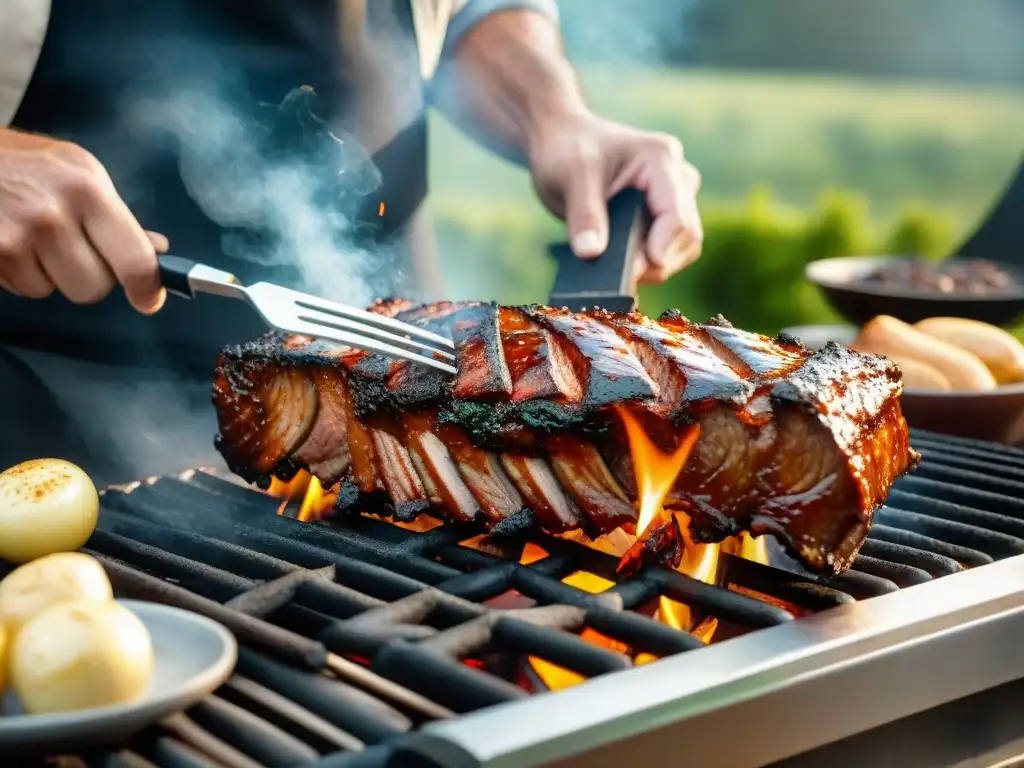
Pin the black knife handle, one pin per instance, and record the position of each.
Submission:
(612, 271)
(174, 271)
(626, 212)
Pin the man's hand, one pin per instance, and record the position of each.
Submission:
(579, 164)
(64, 227)
(509, 79)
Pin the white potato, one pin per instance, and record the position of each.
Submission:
(64, 577)
(81, 655)
(46, 506)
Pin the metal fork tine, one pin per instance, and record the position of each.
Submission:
(307, 326)
(369, 318)
(345, 324)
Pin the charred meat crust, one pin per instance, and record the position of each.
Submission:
(798, 444)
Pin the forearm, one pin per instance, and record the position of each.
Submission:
(508, 78)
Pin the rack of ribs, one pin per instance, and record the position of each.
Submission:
(799, 444)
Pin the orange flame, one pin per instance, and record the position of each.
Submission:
(655, 471)
(315, 502)
(287, 490)
(381, 208)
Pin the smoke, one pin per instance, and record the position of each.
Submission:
(284, 185)
(624, 32)
(281, 181)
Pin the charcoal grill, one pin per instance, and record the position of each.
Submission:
(365, 644)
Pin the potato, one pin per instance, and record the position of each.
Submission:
(46, 506)
(64, 577)
(81, 655)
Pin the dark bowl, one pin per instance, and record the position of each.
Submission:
(843, 282)
(996, 416)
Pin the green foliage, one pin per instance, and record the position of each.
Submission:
(920, 232)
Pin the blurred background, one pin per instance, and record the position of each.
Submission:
(821, 127)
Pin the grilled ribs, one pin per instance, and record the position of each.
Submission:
(797, 444)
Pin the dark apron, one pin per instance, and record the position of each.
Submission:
(152, 89)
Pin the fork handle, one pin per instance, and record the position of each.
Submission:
(174, 274)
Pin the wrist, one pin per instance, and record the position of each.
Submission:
(543, 124)
(563, 128)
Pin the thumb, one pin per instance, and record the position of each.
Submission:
(586, 214)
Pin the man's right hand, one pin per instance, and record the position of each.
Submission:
(64, 227)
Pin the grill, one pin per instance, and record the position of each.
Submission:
(365, 644)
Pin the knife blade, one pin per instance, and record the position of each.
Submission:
(607, 281)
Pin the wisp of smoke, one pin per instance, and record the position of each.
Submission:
(284, 191)
(283, 186)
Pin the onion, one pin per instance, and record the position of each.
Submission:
(64, 577)
(81, 655)
(46, 506)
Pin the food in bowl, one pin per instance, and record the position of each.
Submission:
(945, 353)
(81, 655)
(59, 578)
(970, 276)
(46, 506)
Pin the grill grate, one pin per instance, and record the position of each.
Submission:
(354, 634)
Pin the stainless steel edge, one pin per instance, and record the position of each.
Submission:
(767, 695)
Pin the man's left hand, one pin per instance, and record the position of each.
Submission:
(579, 164)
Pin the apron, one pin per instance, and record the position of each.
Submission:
(203, 113)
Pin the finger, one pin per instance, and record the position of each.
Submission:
(586, 214)
(659, 273)
(666, 237)
(640, 268)
(160, 242)
(73, 265)
(124, 246)
(672, 199)
(27, 278)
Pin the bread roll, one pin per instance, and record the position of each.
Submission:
(895, 339)
(916, 375)
(1001, 352)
